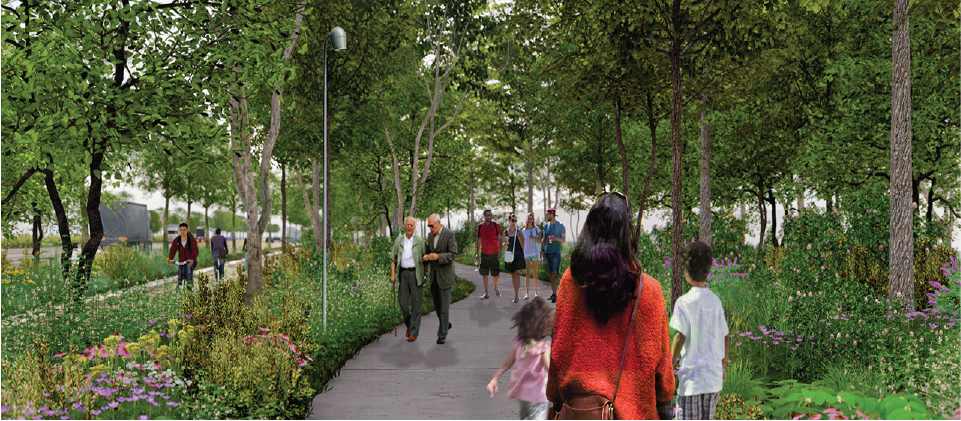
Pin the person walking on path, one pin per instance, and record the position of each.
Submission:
(702, 333)
(490, 237)
(408, 252)
(532, 237)
(218, 249)
(593, 315)
(441, 249)
(245, 257)
(555, 233)
(185, 248)
(514, 244)
(531, 352)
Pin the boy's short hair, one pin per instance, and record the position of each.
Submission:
(697, 259)
(184, 224)
(217, 231)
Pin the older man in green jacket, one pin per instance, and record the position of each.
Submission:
(407, 256)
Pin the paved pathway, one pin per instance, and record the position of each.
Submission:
(394, 379)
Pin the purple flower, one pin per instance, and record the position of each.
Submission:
(96, 412)
(143, 417)
(113, 405)
(28, 411)
(76, 405)
(173, 404)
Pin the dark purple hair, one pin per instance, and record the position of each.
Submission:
(604, 261)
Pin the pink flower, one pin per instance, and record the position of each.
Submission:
(59, 354)
(122, 349)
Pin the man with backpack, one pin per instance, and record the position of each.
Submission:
(490, 237)
(185, 248)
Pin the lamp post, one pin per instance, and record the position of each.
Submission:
(338, 38)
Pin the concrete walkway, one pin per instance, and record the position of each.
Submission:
(394, 379)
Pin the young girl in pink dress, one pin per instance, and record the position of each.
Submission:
(531, 353)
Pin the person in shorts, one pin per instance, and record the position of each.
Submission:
(490, 236)
(554, 236)
(702, 339)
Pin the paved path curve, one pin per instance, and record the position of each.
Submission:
(394, 379)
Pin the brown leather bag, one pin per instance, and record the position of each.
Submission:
(597, 407)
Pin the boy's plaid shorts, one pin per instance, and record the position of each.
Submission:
(697, 407)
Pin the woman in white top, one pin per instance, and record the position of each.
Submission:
(531, 252)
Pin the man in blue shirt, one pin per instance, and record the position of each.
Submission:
(554, 234)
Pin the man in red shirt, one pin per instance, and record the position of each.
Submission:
(488, 248)
(185, 247)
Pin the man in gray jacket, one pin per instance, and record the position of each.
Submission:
(441, 251)
(407, 256)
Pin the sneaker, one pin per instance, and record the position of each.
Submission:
(536, 295)
(497, 291)
(553, 298)
(485, 296)
(528, 296)
(516, 301)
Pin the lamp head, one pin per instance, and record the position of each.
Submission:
(338, 38)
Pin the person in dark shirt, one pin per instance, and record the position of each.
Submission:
(218, 249)
(185, 248)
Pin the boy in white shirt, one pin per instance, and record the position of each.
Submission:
(702, 339)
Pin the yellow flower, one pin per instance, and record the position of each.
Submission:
(133, 347)
(98, 369)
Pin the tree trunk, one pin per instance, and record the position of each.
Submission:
(190, 223)
(399, 216)
(548, 183)
(530, 177)
(84, 218)
(63, 224)
(677, 276)
(652, 123)
(763, 213)
(625, 167)
(743, 209)
(313, 207)
(207, 227)
(928, 196)
(165, 229)
(85, 265)
(773, 201)
(233, 227)
(705, 208)
(37, 231)
(283, 208)
(472, 204)
(901, 273)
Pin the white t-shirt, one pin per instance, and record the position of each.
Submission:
(699, 316)
(531, 247)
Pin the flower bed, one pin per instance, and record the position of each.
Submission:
(203, 355)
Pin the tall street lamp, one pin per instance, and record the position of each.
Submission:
(338, 38)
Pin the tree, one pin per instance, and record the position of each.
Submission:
(684, 28)
(901, 271)
(84, 93)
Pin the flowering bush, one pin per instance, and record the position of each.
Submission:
(947, 298)
(117, 379)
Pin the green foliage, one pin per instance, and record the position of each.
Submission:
(795, 398)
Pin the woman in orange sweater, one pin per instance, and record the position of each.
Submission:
(594, 305)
